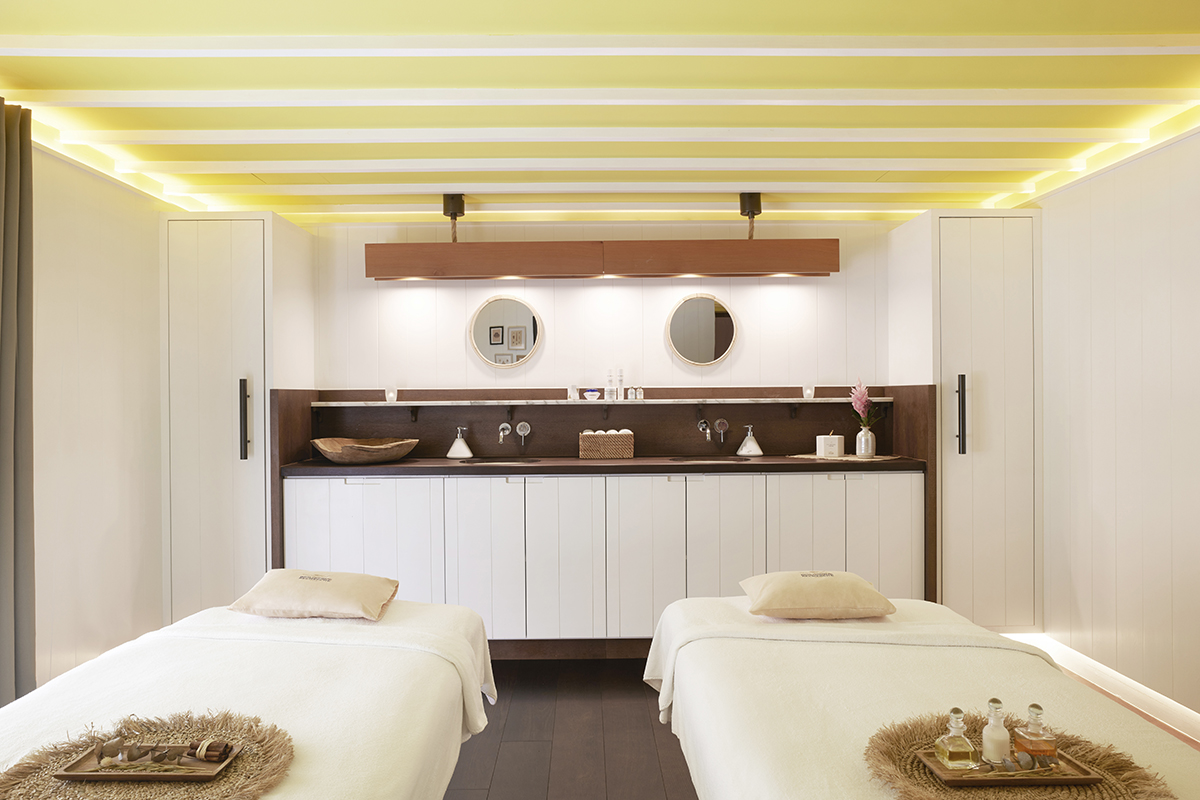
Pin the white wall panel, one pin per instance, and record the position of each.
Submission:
(1121, 356)
(795, 331)
(95, 390)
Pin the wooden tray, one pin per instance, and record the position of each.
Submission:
(77, 769)
(1071, 772)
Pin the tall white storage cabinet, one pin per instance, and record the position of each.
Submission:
(232, 287)
(963, 301)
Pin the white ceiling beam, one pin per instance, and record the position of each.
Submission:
(550, 134)
(598, 187)
(467, 46)
(350, 166)
(472, 96)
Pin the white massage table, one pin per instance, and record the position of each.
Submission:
(386, 704)
(778, 709)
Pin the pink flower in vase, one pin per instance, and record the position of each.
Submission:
(864, 410)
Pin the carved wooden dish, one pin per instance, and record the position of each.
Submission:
(364, 451)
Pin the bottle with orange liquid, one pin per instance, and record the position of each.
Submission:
(1034, 738)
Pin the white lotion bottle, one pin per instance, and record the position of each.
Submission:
(996, 741)
(459, 449)
(749, 445)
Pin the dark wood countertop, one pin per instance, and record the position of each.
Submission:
(533, 465)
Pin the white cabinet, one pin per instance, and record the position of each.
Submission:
(647, 550)
(963, 300)
(601, 557)
(564, 558)
(871, 524)
(726, 533)
(485, 551)
(392, 527)
(232, 286)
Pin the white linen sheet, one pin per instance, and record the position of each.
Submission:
(776, 709)
(375, 709)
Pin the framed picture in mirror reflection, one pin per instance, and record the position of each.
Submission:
(497, 334)
(516, 337)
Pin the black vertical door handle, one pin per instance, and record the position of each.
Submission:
(962, 414)
(243, 419)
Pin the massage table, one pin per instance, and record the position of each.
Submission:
(374, 709)
(777, 709)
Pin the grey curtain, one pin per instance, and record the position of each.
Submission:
(16, 405)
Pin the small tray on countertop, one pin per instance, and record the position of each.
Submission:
(1070, 772)
(81, 769)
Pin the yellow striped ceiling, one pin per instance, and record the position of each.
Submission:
(371, 110)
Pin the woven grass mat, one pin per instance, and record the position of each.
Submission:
(264, 761)
(891, 757)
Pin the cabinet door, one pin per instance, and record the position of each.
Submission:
(885, 515)
(647, 550)
(564, 557)
(806, 522)
(379, 526)
(726, 533)
(987, 325)
(485, 551)
(215, 317)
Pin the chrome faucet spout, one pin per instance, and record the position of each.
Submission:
(702, 425)
(505, 429)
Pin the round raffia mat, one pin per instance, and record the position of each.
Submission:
(891, 755)
(264, 761)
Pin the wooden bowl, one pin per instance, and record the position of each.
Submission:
(364, 451)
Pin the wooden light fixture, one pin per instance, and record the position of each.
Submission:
(729, 258)
(724, 258)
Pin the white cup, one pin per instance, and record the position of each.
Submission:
(390, 394)
(809, 391)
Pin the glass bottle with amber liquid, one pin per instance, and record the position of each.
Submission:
(954, 750)
(1034, 738)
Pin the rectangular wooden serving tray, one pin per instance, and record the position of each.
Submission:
(77, 770)
(1073, 773)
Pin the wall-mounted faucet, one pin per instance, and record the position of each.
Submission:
(523, 431)
(721, 426)
(702, 425)
(505, 430)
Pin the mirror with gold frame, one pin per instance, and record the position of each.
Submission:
(701, 330)
(505, 331)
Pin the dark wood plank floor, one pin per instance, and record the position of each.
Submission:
(577, 730)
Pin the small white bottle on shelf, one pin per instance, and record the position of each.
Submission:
(610, 389)
(996, 741)
(620, 383)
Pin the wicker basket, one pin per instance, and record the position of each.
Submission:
(606, 445)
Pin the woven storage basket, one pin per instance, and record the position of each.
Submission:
(606, 445)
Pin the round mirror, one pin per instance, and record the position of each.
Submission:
(701, 330)
(505, 331)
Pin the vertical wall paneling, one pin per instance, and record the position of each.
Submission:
(1185, 387)
(790, 522)
(96, 388)
(1121, 290)
(795, 331)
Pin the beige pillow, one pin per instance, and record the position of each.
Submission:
(815, 595)
(303, 593)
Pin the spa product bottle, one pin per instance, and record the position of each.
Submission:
(996, 742)
(954, 749)
(1033, 738)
